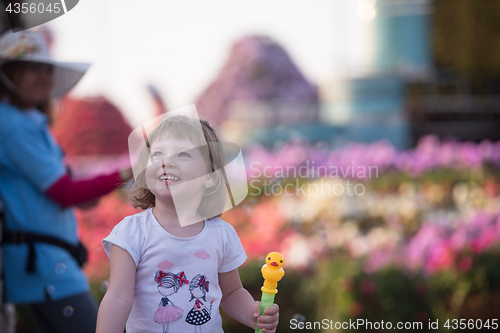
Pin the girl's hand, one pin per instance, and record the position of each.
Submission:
(269, 321)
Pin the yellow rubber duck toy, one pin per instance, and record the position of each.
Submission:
(272, 272)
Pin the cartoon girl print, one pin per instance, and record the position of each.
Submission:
(199, 314)
(168, 284)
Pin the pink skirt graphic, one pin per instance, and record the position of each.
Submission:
(167, 314)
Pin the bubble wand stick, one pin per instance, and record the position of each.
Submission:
(272, 272)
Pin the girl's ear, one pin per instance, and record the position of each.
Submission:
(209, 182)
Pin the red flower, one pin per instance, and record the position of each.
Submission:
(355, 309)
(367, 286)
(465, 264)
(441, 257)
(346, 284)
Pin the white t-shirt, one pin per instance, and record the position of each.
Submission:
(176, 278)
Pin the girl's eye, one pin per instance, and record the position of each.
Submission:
(157, 154)
(183, 154)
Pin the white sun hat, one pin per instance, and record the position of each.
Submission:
(31, 46)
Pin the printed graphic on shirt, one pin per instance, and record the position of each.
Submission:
(202, 254)
(168, 284)
(200, 313)
(165, 264)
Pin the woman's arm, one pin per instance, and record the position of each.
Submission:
(39, 163)
(240, 305)
(70, 193)
(117, 303)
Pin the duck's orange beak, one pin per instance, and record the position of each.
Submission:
(274, 263)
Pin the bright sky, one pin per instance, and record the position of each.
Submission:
(180, 46)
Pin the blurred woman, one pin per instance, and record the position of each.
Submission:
(42, 256)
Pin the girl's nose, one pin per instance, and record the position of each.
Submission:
(167, 162)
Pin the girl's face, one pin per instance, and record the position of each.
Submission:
(166, 291)
(176, 168)
(36, 81)
(197, 292)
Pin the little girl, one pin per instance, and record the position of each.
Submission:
(181, 181)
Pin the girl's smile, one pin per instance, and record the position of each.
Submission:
(168, 177)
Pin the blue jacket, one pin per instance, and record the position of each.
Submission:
(30, 163)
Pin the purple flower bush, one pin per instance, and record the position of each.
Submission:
(429, 154)
(438, 247)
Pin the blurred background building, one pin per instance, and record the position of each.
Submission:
(428, 73)
(429, 69)
(432, 72)
(375, 100)
(257, 89)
